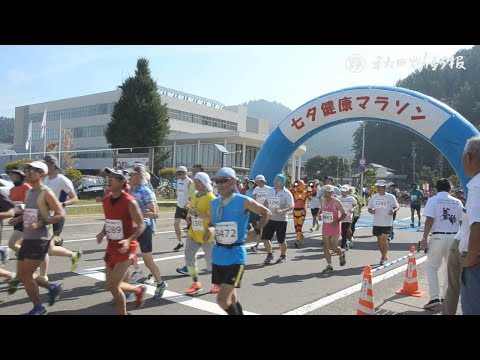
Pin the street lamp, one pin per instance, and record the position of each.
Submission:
(224, 152)
(363, 155)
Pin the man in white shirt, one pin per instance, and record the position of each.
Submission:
(259, 195)
(443, 213)
(469, 245)
(63, 189)
(280, 202)
(183, 201)
(382, 206)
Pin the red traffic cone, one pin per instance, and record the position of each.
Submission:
(365, 302)
(410, 285)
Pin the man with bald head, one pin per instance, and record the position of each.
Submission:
(469, 246)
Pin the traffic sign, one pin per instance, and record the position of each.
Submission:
(362, 162)
(362, 168)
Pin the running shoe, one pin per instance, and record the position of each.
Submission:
(195, 288)
(160, 290)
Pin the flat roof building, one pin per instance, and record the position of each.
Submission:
(196, 124)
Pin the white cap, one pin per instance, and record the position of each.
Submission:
(391, 184)
(328, 188)
(381, 183)
(39, 165)
(260, 178)
(182, 169)
(205, 179)
(345, 188)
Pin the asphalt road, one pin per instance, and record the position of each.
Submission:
(294, 287)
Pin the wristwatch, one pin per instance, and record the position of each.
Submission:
(257, 231)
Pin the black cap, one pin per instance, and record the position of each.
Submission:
(137, 169)
(119, 172)
(51, 159)
(329, 177)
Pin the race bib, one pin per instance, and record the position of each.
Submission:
(380, 204)
(413, 197)
(30, 216)
(347, 206)
(274, 203)
(114, 229)
(327, 217)
(197, 224)
(226, 232)
(261, 198)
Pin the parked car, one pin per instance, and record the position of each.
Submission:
(5, 186)
(89, 187)
(5, 177)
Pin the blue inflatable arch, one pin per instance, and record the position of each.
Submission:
(427, 117)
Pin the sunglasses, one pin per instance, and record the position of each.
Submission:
(115, 177)
(221, 180)
(32, 169)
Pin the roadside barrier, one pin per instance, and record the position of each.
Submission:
(410, 285)
(365, 302)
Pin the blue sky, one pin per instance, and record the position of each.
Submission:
(291, 75)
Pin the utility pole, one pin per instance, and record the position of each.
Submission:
(414, 155)
(440, 163)
(363, 156)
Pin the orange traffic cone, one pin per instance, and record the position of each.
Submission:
(365, 302)
(410, 285)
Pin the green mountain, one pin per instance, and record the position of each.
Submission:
(450, 83)
(336, 140)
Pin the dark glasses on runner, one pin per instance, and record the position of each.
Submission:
(221, 180)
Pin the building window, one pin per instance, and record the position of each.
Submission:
(201, 119)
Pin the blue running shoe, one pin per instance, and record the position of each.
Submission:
(183, 270)
(38, 310)
(54, 293)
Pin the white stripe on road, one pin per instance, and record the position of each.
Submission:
(103, 222)
(305, 309)
(90, 239)
(170, 295)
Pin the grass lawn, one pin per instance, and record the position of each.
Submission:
(90, 206)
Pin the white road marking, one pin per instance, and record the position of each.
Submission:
(90, 239)
(317, 304)
(169, 295)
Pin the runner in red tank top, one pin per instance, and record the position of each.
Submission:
(121, 213)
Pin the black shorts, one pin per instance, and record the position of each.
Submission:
(58, 227)
(33, 249)
(145, 240)
(181, 213)
(415, 207)
(315, 211)
(19, 226)
(229, 274)
(254, 219)
(272, 227)
(379, 230)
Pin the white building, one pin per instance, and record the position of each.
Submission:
(196, 123)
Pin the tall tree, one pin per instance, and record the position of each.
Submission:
(6, 129)
(139, 118)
